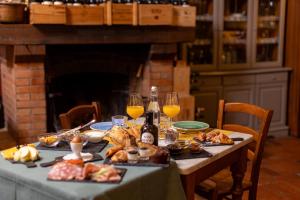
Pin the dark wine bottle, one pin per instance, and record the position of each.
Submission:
(149, 132)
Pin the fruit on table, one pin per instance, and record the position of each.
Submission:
(8, 154)
(26, 153)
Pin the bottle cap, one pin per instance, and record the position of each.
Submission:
(154, 91)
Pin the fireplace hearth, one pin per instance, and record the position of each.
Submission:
(80, 74)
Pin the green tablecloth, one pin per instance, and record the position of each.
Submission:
(20, 183)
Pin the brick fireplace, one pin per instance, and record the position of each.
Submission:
(25, 71)
(24, 76)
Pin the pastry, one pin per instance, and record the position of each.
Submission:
(118, 135)
(201, 136)
(161, 156)
(133, 131)
(222, 139)
(120, 156)
(212, 134)
(112, 150)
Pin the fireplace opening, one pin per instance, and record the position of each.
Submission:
(80, 74)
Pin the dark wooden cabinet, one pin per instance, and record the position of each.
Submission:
(206, 101)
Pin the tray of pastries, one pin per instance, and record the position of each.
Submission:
(129, 151)
(141, 155)
(214, 138)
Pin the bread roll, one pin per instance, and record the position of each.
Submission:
(120, 156)
(111, 151)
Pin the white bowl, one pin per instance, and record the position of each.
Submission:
(95, 136)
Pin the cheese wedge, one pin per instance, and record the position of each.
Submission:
(34, 154)
(24, 154)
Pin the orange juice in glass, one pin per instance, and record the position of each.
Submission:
(135, 106)
(171, 106)
(171, 110)
(135, 111)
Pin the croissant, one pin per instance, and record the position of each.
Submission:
(222, 139)
(118, 135)
(201, 136)
(212, 134)
(120, 156)
(133, 131)
(111, 151)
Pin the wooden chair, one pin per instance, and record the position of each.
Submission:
(222, 181)
(80, 115)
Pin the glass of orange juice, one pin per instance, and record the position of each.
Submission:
(171, 106)
(135, 106)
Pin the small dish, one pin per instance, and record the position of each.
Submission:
(84, 156)
(144, 153)
(174, 148)
(195, 148)
(102, 126)
(49, 139)
(95, 136)
(183, 143)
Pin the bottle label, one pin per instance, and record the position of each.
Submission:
(147, 138)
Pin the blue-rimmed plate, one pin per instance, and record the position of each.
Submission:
(102, 126)
(189, 126)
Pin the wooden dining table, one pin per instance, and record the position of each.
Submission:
(194, 171)
(19, 182)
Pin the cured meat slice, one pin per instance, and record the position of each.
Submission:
(65, 171)
(89, 168)
(106, 173)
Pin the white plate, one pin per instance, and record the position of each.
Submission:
(85, 156)
(102, 126)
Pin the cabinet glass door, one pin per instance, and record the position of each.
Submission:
(201, 54)
(234, 33)
(269, 32)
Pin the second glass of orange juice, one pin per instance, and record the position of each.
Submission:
(171, 107)
(135, 106)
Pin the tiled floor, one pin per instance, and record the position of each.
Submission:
(280, 169)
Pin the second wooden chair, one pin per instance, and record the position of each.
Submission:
(80, 115)
(222, 182)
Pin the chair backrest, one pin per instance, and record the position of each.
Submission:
(79, 115)
(256, 148)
